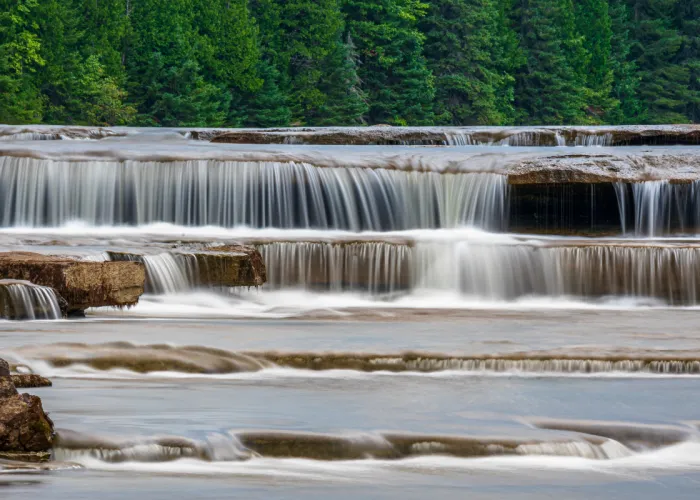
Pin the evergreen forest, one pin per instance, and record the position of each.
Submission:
(269, 63)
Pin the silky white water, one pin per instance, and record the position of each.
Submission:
(25, 300)
(259, 194)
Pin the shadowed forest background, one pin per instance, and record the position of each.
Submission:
(267, 63)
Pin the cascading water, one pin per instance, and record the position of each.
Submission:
(386, 191)
(259, 194)
(30, 136)
(376, 267)
(169, 273)
(166, 272)
(593, 140)
(659, 207)
(488, 271)
(25, 300)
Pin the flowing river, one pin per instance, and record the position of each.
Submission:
(493, 313)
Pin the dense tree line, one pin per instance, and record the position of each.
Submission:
(349, 62)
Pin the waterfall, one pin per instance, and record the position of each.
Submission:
(659, 207)
(459, 138)
(377, 267)
(25, 300)
(30, 136)
(593, 139)
(260, 194)
(166, 272)
(489, 271)
(170, 273)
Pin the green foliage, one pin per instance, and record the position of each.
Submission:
(268, 107)
(467, 49)
(228, 51)
(20, 46)
(550, 87)
(178, 96)
(276, 63)
(98, 98)
(688, 20)
(665, 82)
(392, 68)
(625, 86)
(594, 24)
(345, 101)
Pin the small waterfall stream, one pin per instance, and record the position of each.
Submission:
(24, 300)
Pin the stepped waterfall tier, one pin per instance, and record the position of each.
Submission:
(129, 181)
(385, 135)
(372, 307)
(255, 193)
(491, 271)
(25, 300)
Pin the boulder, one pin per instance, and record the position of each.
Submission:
(29, 380)
(24, 427)
(231, 265)
(82, 284)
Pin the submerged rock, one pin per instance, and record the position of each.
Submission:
(24, 426)
(82, 284)
(28, 380)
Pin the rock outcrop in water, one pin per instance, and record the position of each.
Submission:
(185, 268)
(29, 380)
(26, 431)
(232, 265)
(82, 284)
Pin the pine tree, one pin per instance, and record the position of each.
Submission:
(228, 50)
(310, 31)
(165, 77)
(20, 56)
(664, 81)
(594, 23)
(688, 21)
(97, 98)
(105, 28)
(61, 36)
(625, 85)
(549, 88)
(270, 106)
(393, 70)
(468, 54)
(345, 101)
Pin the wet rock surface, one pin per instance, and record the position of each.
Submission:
(232, 265)
(82, 284)
(24, 426)
(29, 380)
